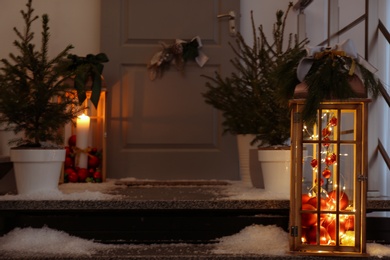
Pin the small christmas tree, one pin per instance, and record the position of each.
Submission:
(34, 99)
(249, 98)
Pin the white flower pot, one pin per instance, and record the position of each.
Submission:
(244, 147)
(37, 169)
(275, 167)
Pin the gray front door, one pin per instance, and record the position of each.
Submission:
(162, 129)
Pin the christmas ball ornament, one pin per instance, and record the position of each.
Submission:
(82, 173)
(314, 163)
(343, 202)
(93, 161)
(314, 202)
(326, 132)
(331, 228)
(308, 219)
(325, 141)
(333, 157)
(305, 198)
(333, 121)
(93, 151)
(72, 141)
(68, 151)
(349, 223)
(326, 173)
(72, 175)
(321, 181)
(98, 176)
(68, 162)
(311, 235)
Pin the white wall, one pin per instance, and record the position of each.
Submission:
(264, 13)
(75, 22)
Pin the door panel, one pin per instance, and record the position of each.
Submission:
(163, 129)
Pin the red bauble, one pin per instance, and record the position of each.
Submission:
(72, 141)
(314, 163)
(68, 162)
(305, 198)
(328, 160)
(350, 223)
(333, 121)
(93, 151)
(311, 235)
(308, 219)
(330, 226)
(93, 162)
(325, 141)
(326, 132)
(332, 196)
(98, 176)
(326, 173)
(83, 174)
(333, 157)
(72, 175)
(323, 203)
(321, 182)
(68, 151)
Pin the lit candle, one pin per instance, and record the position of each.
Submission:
(82, 132)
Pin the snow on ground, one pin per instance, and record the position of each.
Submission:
(70, 191)
(238, 190)
(255, 239)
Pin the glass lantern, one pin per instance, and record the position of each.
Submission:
(328, 181)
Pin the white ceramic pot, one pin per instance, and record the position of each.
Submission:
(244, 147)
(275, 167)
(37, 169)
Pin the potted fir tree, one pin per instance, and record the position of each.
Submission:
(249, 98)
(36, 102)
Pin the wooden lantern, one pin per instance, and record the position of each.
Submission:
(328, 179)
(97, 128)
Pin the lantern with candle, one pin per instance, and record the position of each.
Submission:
(36, 101)
(329, 154)
(86, 142)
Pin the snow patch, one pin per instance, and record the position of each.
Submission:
(255, 239)
(71, 191)
(44, 240)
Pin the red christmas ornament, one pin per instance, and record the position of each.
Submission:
(326, 132)
(344, 201)
(311, 236)
(323, 204)
(331, 227)
(72, 141)
(321, 181)
(333, 121)
(308, 219)
(325, 142)
(326, 173)
(314, 163)
(349, 222)
(93, 162)
(72, 175)
(98, 176)
(68, 162)
(83, 174)
(328, 160)
(333, 157)
(305, 198)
